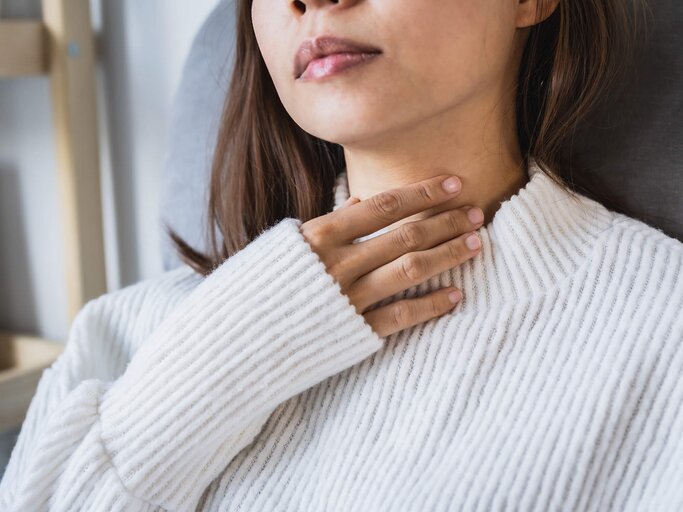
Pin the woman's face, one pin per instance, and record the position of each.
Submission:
(437, 55)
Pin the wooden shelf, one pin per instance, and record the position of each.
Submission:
(22, 361)
(22, 48)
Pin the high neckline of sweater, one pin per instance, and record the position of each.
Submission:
(537, 239)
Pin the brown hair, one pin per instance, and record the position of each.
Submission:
(266, 167)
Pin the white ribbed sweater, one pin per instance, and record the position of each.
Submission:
(556, 384)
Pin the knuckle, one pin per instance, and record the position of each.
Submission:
(385, 203)
(435, 307)
(425, 193)
(320, 232)
(411, 236)
(402, 314)
(455, 250)
(338, 267)
(453, 220)
(412, 267)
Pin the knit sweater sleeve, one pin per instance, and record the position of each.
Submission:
(267, 324)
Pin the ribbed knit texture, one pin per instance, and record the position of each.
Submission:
(556, 384)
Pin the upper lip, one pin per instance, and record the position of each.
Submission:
(326, 45)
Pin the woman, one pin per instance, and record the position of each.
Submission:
(313, 360)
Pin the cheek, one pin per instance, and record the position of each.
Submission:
(266, 29)
(451, 49)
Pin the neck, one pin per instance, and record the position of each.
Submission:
(482, 150)
(536, 241)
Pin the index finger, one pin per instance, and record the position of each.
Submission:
(387, 207)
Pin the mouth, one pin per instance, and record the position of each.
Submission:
(328, 55)
(333, 64)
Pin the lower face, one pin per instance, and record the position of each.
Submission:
(436, 56)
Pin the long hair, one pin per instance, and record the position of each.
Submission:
(266, 168)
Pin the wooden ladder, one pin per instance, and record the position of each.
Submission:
(61, 45)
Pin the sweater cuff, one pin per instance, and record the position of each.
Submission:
(268, 323)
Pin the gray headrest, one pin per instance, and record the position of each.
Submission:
(633, 144)
(196, 114)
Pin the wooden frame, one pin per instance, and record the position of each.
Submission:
(61, 45)
(22, 48)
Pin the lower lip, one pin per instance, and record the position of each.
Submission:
(334, 64)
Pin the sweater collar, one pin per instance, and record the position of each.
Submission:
(536, 240)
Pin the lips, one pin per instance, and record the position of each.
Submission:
(327, 45)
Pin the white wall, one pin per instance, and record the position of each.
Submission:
(143, 47)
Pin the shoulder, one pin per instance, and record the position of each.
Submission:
(152, 295)
(644, 234)
(648, 246)
(109, 329)
(643, 260)
(145, 303)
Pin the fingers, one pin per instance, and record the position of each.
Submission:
(387, 207)
(416, 236)
(406, 313)
(411, 269)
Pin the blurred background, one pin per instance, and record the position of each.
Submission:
(142, 47)
(140, 51)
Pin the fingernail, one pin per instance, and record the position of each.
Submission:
(475, 215)
(455, 296)
(472, 242)
(451, 184)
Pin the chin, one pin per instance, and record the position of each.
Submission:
(342, 131)
(342, 124)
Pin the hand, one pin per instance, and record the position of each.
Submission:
(374, 269)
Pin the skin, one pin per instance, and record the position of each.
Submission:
(440, 98)
(438, 102)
